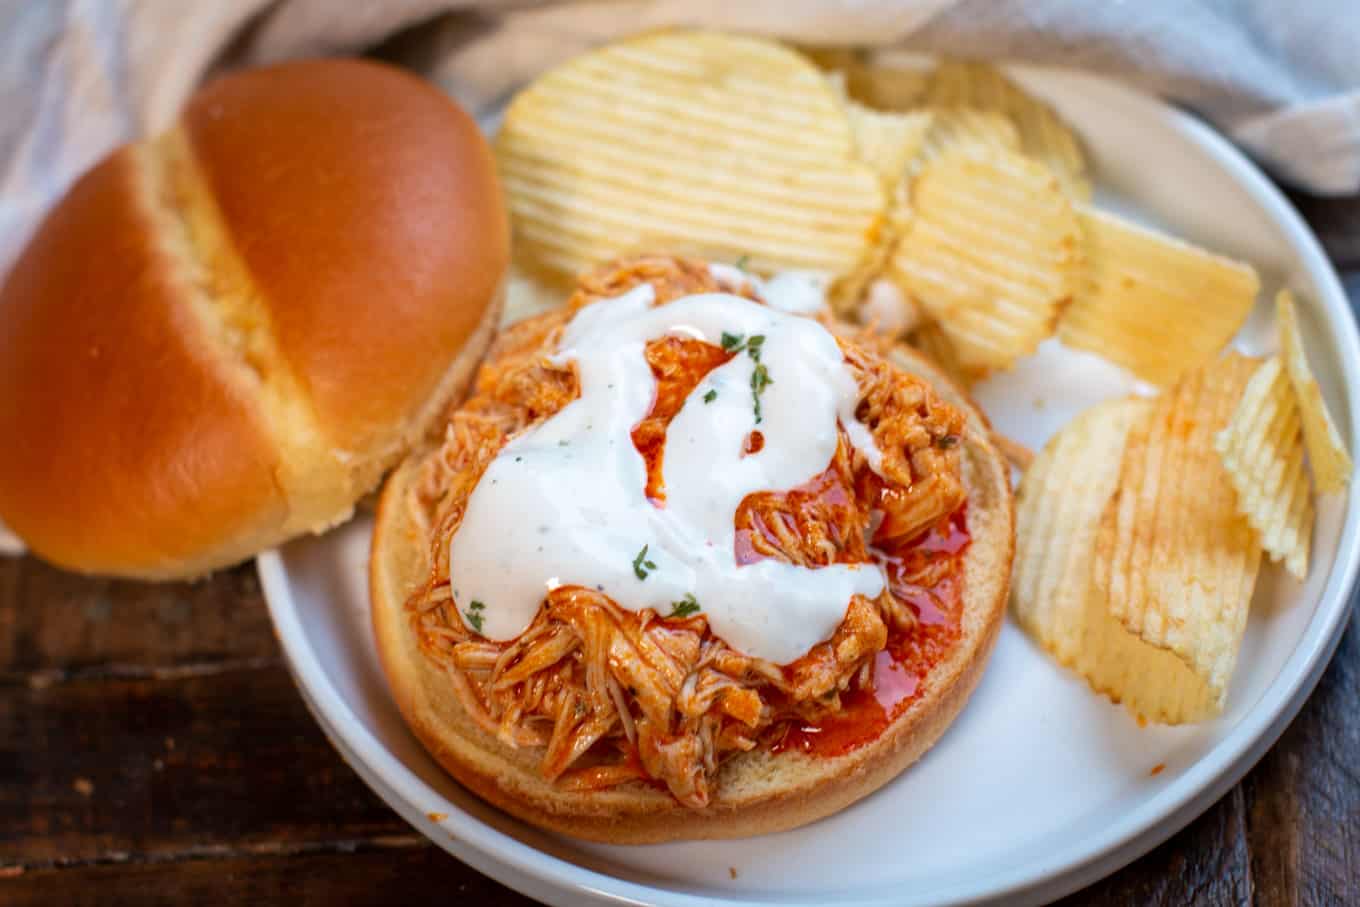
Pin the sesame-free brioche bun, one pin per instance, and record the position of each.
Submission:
(223, 336)
(757, 792)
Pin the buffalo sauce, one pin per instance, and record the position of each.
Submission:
(678, 364)
(901, 668)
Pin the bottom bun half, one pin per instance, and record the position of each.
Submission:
(757, 792)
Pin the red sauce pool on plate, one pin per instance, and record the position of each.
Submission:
(901, 668)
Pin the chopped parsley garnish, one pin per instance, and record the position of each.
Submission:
(641, 565)
(474, 615)
(710, 396)
(741, 262)
(760, 377)
(685, 606)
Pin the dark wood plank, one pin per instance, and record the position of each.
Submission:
(151, 767)
(1303, 799)
(393, 871)
(55, 624)
(1208, 863)
(1336, 221)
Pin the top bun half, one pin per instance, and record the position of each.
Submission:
(223, 336)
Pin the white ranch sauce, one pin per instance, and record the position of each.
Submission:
(799, 292)
(565, 502)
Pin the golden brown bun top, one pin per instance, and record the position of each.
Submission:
(104, 380)
(221, 337)
(365, 206)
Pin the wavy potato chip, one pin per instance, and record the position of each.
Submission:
(990, 251)
(1153, 304)
(888, 141)
(882, 87)
(1174, 559)
(837, 61)
(1326, 451)
(1262, 449)
(1059, 505)
(1043, 134)
(714, 145)
(963, 128)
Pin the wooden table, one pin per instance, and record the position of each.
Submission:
(154, 750)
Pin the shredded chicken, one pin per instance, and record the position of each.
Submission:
(613, 696)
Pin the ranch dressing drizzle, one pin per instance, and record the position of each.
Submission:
(799, 292)
(564, 503)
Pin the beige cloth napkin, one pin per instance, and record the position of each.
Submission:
(78, 77)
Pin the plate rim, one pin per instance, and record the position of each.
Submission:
(1153, 821)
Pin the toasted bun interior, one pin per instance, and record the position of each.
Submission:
(757, 792)
(223, 336)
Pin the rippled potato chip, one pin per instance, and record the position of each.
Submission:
(888, 141)
(714, 145)
(1174, 559)
(1043, 134)
(1153, 304)
(1326, 451)
(1262, 449)
(990, 251)
(883, 87)
(1059, 506)
(963, 128)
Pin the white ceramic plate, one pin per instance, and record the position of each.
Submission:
(1040, 787)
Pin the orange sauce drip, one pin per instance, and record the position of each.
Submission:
(678, 364)
(901, 668)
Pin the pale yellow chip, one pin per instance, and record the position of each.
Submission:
(714, 145)
(887, 141)
(837, 61)
(1043, 134)
(1059, 505)
(883, 87)
(990, 251)
(1326, 451)
(1174, 560)
(954, 128)
(948, 129)
(1153, 304)
(1262, 449)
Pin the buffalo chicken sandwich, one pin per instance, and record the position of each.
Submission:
(688, 564)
